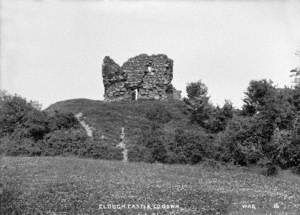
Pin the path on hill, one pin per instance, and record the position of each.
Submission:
(87, 128)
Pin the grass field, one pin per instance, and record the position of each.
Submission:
(57, 185)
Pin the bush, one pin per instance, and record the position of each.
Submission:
(139, 153)
(296, 170)
(185, 146)
(35, 124)
(59, 143)
(64, 142)
(280, 141)
(219, 117)
(100, 150)
(271, 170)
(13, 146)
(12, 113)
(62, 120)
(241, 142)
(202, 114)
(190, 146)
(175, 157)
(23, 127)
(286, 148)
(290, 156)
(153, 138)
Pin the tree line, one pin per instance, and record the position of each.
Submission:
(266, 129)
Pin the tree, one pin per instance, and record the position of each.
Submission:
(12, 113)
(242, 140)
(198, 100)
(219, 117)
(258, 94)
(153, 139)
(273, 105)
(280, 110)
(36, 124)
(296, 97)
(196, 90)
(212, 118)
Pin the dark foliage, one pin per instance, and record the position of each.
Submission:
(139, 153)
(12, 113)
(101, 150)
(212, 118)
(64, 142)
(187, 147)
(286, 146)
(295, 97)
(241, 142)
(296, 170)
(196, 90)
(152, 138)
(62, 120)
(271, 170)
(219, 118)
(258, 95)
(266, 128)
(201, 113)
(21, 146)
(26, 130)
(36, 124)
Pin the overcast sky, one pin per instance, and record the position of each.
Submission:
(53, 49)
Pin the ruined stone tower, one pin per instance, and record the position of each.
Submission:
(141, 77)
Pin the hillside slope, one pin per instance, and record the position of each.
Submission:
(107, 118)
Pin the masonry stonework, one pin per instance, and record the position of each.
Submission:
(141, 77)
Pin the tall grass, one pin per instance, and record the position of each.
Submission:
(9, 190)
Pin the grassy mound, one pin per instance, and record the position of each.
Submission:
(109, 117)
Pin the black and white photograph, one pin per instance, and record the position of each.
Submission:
(149, 107)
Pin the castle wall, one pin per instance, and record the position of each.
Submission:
(150, 76)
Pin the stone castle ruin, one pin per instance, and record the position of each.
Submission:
(141, 77)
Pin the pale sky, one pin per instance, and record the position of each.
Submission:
(52, 50)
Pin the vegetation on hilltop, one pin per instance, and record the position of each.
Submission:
(265, 131)
(27, 130)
